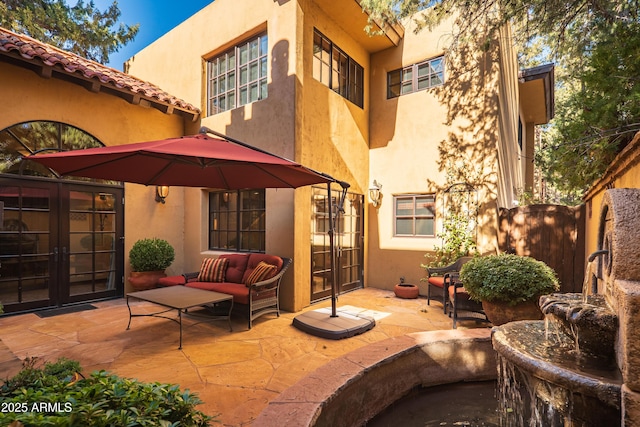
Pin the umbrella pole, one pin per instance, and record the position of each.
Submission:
(333, 253)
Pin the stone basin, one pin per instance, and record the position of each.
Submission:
(591, 323)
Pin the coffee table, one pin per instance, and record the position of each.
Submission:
(180, 298)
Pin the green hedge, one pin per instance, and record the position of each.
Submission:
(56, 395)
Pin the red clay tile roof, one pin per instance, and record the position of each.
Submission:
(90, 73)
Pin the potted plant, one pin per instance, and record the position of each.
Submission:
(148, 259)
(508, 285)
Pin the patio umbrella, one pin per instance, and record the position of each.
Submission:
(195, 161)
(188, 161)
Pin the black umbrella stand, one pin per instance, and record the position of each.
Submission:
(319, 322)
(331, 325)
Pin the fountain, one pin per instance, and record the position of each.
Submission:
(580, 366)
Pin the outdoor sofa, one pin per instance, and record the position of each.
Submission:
(252, 279)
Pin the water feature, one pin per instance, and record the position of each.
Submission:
(460, 404)
(580, 366)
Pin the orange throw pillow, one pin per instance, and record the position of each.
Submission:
(262, 272)
(213, 270)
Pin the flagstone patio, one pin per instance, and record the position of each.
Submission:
(236, 373)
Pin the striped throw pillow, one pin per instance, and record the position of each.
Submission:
(213, 270)
(262, 272)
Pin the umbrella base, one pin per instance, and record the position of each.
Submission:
(322, 324)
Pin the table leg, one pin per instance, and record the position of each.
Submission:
(230, 308)
(130, 316)
(180, 321)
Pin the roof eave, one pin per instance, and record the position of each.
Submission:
(546, 74)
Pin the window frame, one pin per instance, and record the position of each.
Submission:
(409, 77)
(338, 71)
(237, 216)
(228, 68)
(414, 216)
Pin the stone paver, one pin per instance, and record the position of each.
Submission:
(236, 373)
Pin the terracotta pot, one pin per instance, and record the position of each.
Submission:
(405, 290)
(142, 280)
(500, 313)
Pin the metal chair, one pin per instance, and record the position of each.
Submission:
(460, 301)
(436, 279)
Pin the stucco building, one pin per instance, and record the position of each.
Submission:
(302, 79)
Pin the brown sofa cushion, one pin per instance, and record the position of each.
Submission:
(236, 267)
(171, 281)
(239, 291)
(213, 270)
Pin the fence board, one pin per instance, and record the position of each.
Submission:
(550, 233)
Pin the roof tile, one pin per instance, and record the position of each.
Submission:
(36, 51)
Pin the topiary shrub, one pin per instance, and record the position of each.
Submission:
(56, 395)
(151, 255)
(507, 278)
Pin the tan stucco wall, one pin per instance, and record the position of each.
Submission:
(408, 134)
(405, 136)
(623, 172)
(111, 120)
(395, 141)
(300, 119)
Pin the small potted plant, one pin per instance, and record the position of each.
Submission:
(406, 290)
(149, 258)
(508, 285)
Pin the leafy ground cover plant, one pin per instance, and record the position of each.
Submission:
(57, 395)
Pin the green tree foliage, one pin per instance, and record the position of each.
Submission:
(82, 29)
(595, 45)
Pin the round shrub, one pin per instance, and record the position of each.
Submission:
(151, 255)
(507, 278)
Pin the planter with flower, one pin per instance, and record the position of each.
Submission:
(149, 258)
(508, 286)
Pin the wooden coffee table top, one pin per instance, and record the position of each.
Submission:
(180, 297)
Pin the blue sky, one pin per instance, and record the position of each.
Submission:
(156, 17)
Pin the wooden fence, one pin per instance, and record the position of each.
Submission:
(550, 233)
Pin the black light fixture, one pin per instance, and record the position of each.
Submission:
(162, 191)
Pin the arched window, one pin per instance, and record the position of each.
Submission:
(19, 141)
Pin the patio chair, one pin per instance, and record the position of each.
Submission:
(460, 301)
(436, 280)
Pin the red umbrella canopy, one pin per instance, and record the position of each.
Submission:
(190, 161)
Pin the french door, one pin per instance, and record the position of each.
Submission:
(348, 238)
(60, 243)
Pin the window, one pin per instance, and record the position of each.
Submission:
(414, 215)
(237, 220)
(336, 70)
(238, 76)
(21, 140)
(415, 77)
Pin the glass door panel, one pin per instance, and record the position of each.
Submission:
(92, 238)
(348, 237)
(25, 245)
(59, 244)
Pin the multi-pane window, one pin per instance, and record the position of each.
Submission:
(238, 76)
(237, 220)
(414, 215)
(337, 70)
(415, 77)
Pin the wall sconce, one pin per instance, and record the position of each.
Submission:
(374, 193)
(162, 191)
